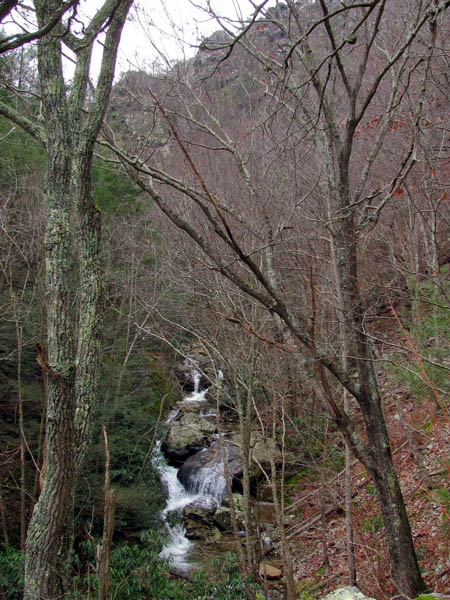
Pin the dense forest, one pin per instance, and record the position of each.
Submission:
(225, 305)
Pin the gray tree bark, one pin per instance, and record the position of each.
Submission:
(69, 131)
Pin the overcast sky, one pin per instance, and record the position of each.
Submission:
(159, 30)
(170, 29)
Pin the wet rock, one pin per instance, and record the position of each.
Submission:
(198, 519)
(199, 530)
(185, 373)
(201, 509)
(195, 371)
(199, 467)
(198, 407)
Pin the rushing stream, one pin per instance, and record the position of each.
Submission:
(178, 547)
(207, 483)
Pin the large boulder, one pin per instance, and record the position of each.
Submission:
(222, 518)
(269, 571)
(201, 530)
(186, 435)
(261, 448)
(203, 472)
(346, 593)
(198, 518)
(202, 508)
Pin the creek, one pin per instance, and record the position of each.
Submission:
(205, 485)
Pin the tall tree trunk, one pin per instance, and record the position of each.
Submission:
(73, 378)
(104, 549)
(23, 525)
(50, 513)
(404, 565)
(278, 492)
(349, 528)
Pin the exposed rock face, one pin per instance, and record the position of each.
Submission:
(200, 530)
(198, 518)
(261, 448)
(190, 442)
(196, 364)
(346, 593)
(187, 435)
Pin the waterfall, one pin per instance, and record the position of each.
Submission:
(178, 547)
(208, 481)
(202, 482)
(197, 395)
(196, 375)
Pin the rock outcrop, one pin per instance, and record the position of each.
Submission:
(186, 435)
(346, 593)
(198, 518)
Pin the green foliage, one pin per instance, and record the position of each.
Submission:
(11, 570)
(307, 588)
(431, 337)
(443, 497)
(137, 572)
(305, 595)
(22, 158)
(138, 505)
(112, 191)
(303, 475)
(130, 413)
(372, 524)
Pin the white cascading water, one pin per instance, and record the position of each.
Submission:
(197, 395)
(209, 481)
(178, 547)
(206, 481)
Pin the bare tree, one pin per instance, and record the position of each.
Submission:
(338, 71)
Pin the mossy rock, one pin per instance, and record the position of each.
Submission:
(238, 502)
(346, 593)
(190, 431)
(222, 518)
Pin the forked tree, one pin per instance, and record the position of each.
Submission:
(71, 117)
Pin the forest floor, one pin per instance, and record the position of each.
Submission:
(320, 549)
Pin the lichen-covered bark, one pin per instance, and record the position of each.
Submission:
(73, 339)
(44, 533)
